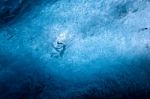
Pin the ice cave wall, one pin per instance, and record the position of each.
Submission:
(107, 51)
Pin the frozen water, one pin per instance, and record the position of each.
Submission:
(106, 54)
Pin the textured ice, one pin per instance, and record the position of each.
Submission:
(106, 55)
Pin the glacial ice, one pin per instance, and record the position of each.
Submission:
(106, 54)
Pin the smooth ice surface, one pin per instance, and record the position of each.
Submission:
(106, 52)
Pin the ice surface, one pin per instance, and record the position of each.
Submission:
(106, 56)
